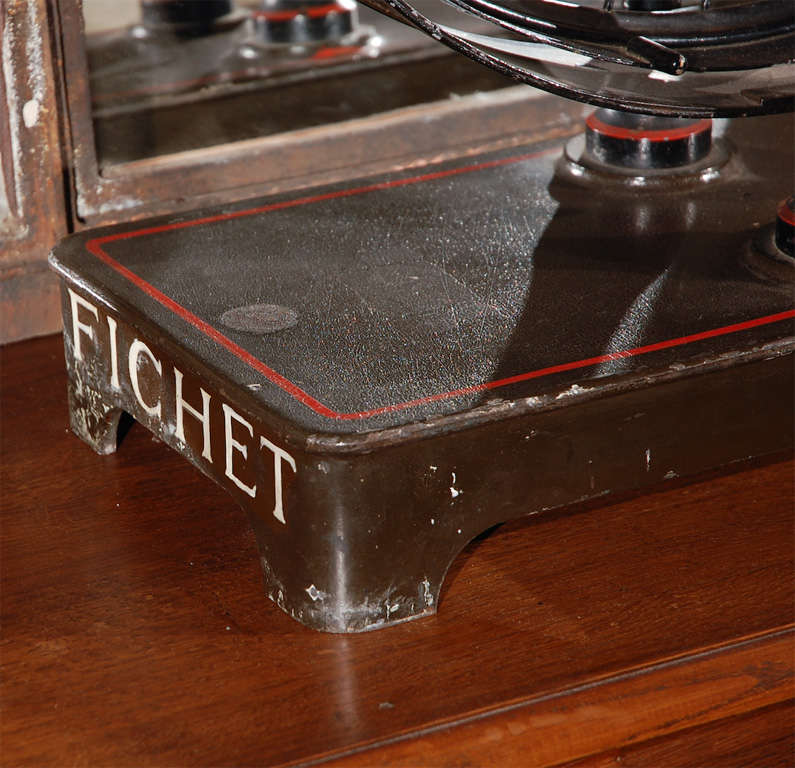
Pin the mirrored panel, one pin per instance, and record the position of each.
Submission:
(167, 76)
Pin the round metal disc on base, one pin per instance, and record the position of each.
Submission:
(188, 17)
(771, 253)
(305, 22)
(620, 149)
(785, 223)
(645, 142)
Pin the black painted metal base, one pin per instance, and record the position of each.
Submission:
(439, 352)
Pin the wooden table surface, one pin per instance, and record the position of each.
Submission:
(650, 631)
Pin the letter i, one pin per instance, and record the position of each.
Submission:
(114, 357)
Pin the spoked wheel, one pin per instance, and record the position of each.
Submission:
(667, 57)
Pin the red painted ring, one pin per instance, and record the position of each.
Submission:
(785, 212)
(668, 134)
(312, 12)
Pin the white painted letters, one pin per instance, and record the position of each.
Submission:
(232, 444)
(203, 417)
(114, 354)
(136, 348)
(77, 326)
(249, 464)
(279, 455)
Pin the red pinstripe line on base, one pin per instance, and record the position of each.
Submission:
(94, 246)
(313, 199)
(334, 52)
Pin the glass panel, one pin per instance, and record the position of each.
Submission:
(173, 75)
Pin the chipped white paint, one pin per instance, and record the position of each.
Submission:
(433, 521)
(670, 475)
(34, 51)
(433, 469)
(426, 592)
(648, 459)
(119, 203)
(32, 75)
(315, 593)
(574, 389)
(30, 113)
(454, 492)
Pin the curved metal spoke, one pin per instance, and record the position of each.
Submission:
(676, 57)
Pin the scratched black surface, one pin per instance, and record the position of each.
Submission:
(407, 292)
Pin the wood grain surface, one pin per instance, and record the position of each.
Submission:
(649, 631)
(763, 738)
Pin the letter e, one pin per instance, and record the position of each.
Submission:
(232, 444)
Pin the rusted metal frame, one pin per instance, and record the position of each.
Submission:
(33, 166)
(21, 119)
(411, 136)
(86, 180)
(331, 154)
(5, 142)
